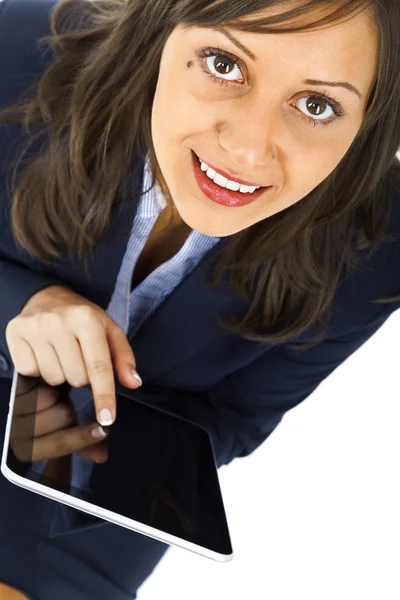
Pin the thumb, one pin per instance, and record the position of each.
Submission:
(122, 356)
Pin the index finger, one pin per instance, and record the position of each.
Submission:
(97, 357)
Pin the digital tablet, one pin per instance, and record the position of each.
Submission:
(160, 478)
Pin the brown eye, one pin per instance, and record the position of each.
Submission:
(222, 65)
(219, 66)
(314, 106)
(317, 109)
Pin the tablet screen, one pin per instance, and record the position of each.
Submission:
(160, 471)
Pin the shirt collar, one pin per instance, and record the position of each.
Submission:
(153, 200)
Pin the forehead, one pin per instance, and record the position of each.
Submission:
(357, 31)
(355, 36)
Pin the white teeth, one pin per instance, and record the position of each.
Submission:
(231, 185)
(224, 182)
(246, 188)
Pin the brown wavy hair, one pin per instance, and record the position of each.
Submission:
(94, 102)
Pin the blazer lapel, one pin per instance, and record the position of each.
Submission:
(185, 322)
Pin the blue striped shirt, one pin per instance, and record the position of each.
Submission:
(131, 308)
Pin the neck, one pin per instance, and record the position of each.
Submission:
(170, 213)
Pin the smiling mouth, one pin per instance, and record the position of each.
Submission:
(227, 176)
(222, 195)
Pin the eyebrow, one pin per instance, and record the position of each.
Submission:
(344, 84)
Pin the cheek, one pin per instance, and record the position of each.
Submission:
(304, 172)
(310, 166)
(179, 107)
(169, 114)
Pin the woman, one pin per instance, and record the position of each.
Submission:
(148, 118)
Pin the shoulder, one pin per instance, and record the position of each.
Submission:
(22, 60)
(375, 277)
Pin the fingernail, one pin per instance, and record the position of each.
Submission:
(98, 432)
(105, 417)
(135, 374)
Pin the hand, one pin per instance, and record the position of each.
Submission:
(61, 336)
(45, 414)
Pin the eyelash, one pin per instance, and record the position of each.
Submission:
(207, 52)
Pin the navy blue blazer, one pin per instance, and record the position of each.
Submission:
(239, 390)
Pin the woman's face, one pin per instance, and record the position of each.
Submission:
(257, 120)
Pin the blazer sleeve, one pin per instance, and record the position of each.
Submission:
(243, 409)
(17, 284)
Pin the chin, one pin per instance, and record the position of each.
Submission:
(198, 222)
(214, 234)
(212, 231)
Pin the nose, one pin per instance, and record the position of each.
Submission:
(249, 137)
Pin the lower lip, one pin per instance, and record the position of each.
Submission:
(221, 195)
